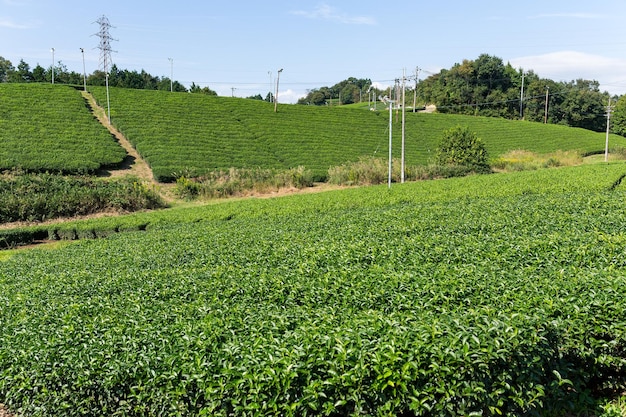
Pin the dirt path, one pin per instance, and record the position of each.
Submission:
(133, 164)
(4, 412)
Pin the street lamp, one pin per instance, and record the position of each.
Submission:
(276, 96)
(171, 74)
(52, 65)
(108, 99)
(84, 70)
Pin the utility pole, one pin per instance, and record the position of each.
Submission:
(52, 50)
(403, 120)
(608, 121)
(396, 96)
(521, 99)
(390, 139)
(417, 71)
(276, 96)
(232, 94)
(545, 117)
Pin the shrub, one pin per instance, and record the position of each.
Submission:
(460, 146)
(38, 197)
(238, 181)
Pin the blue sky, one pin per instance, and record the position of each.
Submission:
(242, 44)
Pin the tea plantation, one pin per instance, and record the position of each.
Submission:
(486, 295)
(49, 128)
(181, 133)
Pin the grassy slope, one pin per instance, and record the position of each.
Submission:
(48, 128)
(353, 294)
(178, 132)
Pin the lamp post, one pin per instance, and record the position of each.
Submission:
(276, 96)
(390, 141)
(52, 50)
(171, 75)
(108, 100)
(84, 70)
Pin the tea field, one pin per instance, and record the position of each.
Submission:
(49, 128)
(193, 133)
(485, 295)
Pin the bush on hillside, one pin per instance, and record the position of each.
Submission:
(239, 181)
(460, 146)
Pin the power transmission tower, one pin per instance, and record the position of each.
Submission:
(105, 43)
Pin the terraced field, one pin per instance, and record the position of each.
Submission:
(193, 134)
(49, 128)
(485, 295)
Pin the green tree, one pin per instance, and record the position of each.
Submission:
(6, 68)
(22, 74)
(206, 90)
(584, 105)
(460, 146)
(39, 74)
(618, 118)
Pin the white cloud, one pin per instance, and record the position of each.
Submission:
(290, 96)
(570, 16)
(571, 65)
(5, 23)
(326, 12)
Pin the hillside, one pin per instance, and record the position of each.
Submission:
(193, 133)
(455, 297)
(50, 128)
(47, 127)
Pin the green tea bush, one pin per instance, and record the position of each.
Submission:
(38, 197)
(48, 128)
(201, 134)
(467, 296)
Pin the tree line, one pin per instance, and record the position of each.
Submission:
(124, 78)
(487, 86)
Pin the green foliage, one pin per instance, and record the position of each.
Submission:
(469, 296)
(618, 119)
(49, 128)
(350, 90)
(460, 146)
(488, 87)
(241, 181)
(38, 197)
(199, 134)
